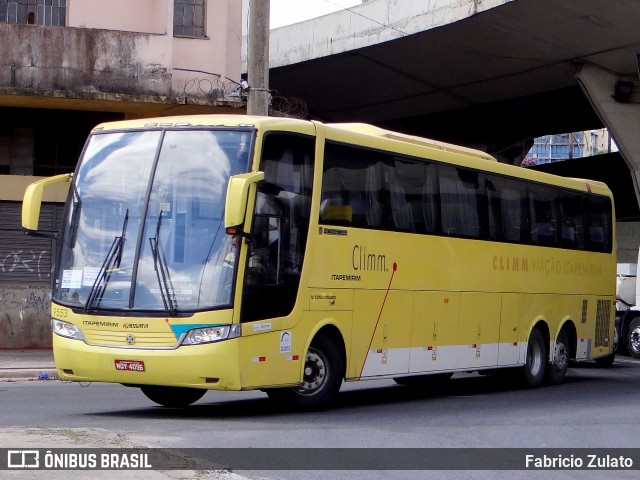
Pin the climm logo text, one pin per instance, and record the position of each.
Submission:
(369, 262)
(510, 264)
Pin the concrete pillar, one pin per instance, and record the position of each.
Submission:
(258, 58)
(622, 119)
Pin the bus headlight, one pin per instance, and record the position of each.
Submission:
(65, 329)
(211, 334)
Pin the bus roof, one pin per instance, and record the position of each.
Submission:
(367, 129)
(204, 120)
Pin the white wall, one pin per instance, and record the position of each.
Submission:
(145, 16)
(198, 65)
(214, 57)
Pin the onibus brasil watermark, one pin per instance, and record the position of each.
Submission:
(320, 459)
(77, 460)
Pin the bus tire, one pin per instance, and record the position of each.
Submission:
(557, 368)
(175, 397)
(418, 381)
(633, 338)
(323, 373)
(536, 360)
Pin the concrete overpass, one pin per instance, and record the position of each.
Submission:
(486, 73)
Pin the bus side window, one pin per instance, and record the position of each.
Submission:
(495, 212)
(544, 227)
(400, 207)
(459, 194)
(449, 200)
(431, 200)
(598, 231)
(353, 179)
(372, 189)
(571, 221)
(507, 201)
(333, 198)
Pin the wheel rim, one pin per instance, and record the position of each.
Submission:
(561, 359)
(634, 339)
(315, 373)
(534, 359)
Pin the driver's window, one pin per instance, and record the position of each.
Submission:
(264, 251)
(280, 227)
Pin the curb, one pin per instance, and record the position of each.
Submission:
(47, 373)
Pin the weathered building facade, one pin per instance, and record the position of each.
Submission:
(70, 64)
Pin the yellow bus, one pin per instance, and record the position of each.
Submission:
(241, 253)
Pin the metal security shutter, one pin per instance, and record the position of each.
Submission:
(24, 259)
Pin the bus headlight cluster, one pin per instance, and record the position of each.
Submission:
(65, 329)
(211, 334)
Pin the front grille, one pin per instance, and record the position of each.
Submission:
(138, 340)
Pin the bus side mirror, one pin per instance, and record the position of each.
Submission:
(237, 197)
(32, 202)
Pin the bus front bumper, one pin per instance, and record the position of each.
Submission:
(210, 366)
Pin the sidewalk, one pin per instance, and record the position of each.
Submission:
(27, 363)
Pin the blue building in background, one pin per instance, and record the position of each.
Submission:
(565, 146)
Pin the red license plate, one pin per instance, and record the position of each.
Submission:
(130, 365)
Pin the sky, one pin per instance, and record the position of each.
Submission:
(286, 12)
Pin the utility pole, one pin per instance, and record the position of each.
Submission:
(258, 58)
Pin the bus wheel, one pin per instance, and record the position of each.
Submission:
(536, 360)
(633, 338)
(557, 369)
(323, 372)
(172, 396)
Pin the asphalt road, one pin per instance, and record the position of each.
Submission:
(594, 408)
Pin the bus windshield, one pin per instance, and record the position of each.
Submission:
(144, 227)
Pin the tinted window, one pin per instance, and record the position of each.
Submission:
(508, 210)
(544, 223)
(280, 228)
(598, 224)
(571, 221)
(461, 202)
(371, 189)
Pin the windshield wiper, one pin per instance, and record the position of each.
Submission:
(111, 264)
(162, 271)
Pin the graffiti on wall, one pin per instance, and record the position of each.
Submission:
(35, 301)
(36, 262)
(24, 313)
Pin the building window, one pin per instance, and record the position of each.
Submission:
(32, 12)
(188, 18)
(559, 151)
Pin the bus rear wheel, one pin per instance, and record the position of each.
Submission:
(324, 369)
(536, 360)
(633, 338)
(557, 368)
(175, 397)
